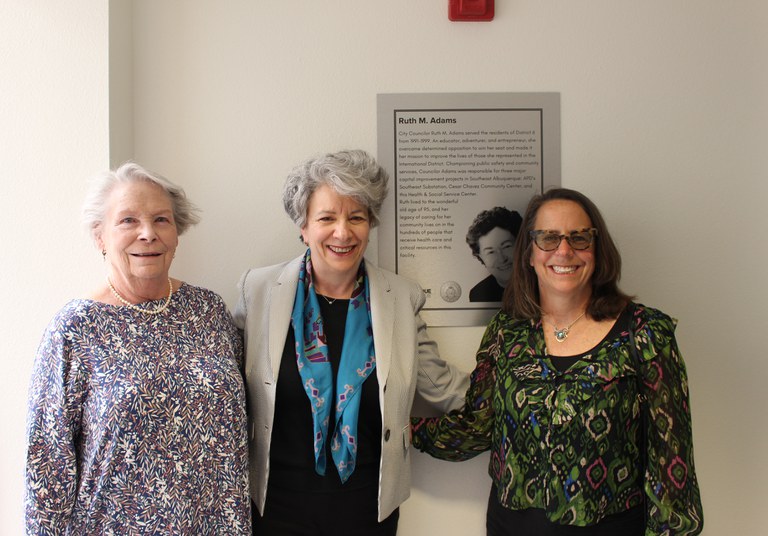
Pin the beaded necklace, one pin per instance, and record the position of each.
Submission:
(141, 309)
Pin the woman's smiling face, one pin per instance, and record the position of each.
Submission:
(496, 251)
(564, 270)
(337, 232)
(138, 233)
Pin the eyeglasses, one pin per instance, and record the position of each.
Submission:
(550, 240)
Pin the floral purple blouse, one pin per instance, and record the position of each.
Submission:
(137, 423)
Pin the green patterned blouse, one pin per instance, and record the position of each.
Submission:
(569, 442)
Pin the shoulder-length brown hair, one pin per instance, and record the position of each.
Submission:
(521, 297)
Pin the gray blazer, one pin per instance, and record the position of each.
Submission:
(407, 362)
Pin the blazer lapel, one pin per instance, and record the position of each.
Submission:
(382, 318)
(280, 309)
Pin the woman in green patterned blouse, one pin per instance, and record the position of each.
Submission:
(588, 434)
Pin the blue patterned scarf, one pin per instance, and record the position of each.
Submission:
(357, 363)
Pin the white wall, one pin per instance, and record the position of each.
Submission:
(54, 132)
(664, 124)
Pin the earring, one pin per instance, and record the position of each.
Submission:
(104, 254)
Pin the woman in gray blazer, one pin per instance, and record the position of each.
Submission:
(335, 352)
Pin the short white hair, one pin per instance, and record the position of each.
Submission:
(185, 213)
(354, 174)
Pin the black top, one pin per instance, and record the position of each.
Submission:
(487, 290)
(563, 363)
(292, 461)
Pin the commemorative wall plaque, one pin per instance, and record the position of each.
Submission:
(463, 167)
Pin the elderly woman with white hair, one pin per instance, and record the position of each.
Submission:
(335, 352)
(137, 418)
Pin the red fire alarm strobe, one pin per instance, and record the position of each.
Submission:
(470, 10)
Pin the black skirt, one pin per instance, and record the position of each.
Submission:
(502, 521)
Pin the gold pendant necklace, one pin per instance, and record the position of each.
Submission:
(141, 309)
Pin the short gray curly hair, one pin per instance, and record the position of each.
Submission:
(354, 174)
(185, 213)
